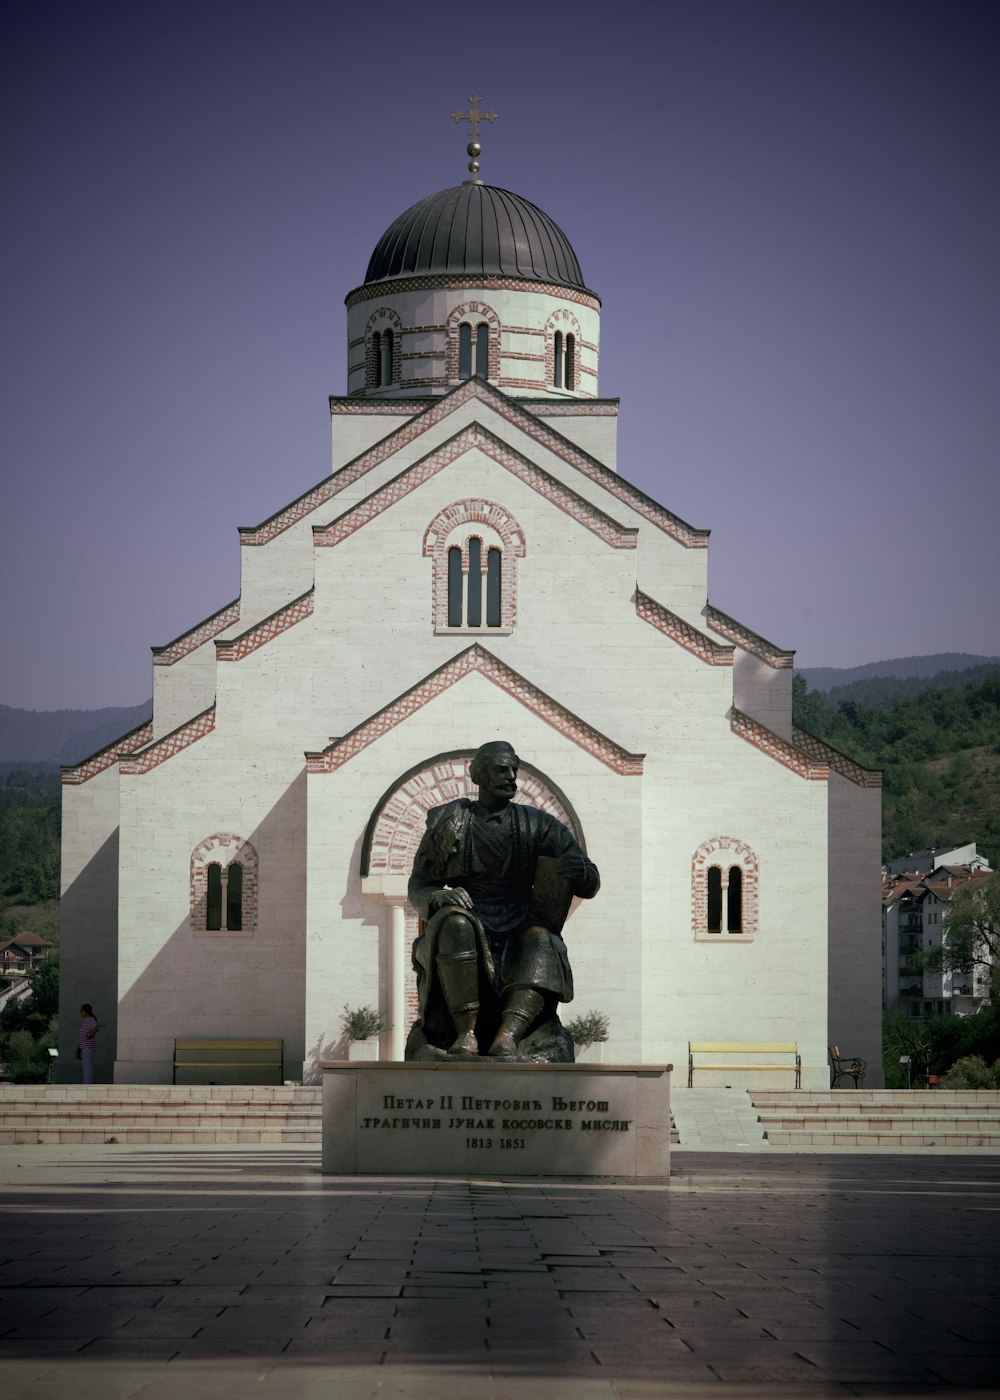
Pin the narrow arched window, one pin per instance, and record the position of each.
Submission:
(385, 359)
(734, 919)
(570, 380)
(454, 586)
(465, 351)
(493, 581)
(475, 617)
(557, 360)
(714, 923)
(483, 351)
(234, 896)
(213, 911)
(376, 359)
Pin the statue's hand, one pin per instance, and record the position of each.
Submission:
(457, 896)
(572, 866)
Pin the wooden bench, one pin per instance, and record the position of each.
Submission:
(203, 1061)
(730, 1048)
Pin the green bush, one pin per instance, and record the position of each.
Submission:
(972, 1072)
(27, 1061)
(590, 1029)
(361, 1023)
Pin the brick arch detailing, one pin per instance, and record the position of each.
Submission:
(383, 318)
(437, 540)
(724, 851)
(397, 825)
(225, 848)
(561, 320)
(476, 659)
(474, 312)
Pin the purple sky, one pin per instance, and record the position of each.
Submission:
(789, 210)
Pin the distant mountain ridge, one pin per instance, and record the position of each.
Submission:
(47, 738)
(888, 682)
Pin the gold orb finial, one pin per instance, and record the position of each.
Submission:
(474, 116)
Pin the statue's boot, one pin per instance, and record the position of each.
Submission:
(458, 972)
(522, 1006)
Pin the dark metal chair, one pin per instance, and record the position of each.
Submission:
(846, 1067)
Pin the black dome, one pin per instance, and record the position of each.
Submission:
(475, 230)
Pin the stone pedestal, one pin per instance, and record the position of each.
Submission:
(478, 1118)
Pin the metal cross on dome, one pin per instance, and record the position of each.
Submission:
(473, 116)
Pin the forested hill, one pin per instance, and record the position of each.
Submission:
(940, 753)
(50, 737)
(881, 682)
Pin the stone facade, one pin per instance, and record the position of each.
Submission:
(300, 733)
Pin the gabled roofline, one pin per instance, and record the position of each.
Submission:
(687, 535)
(195, 636)
(474, 435)
(144, 759)
(823, 752)
(776, 747)
(476, 659)
(743, 637)
(74, 773)
(704, 647)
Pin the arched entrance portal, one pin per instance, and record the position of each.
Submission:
(391, 839)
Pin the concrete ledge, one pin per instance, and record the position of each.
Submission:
(474, 1119)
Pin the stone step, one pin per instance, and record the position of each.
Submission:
(873, 1141)
(890, 1123)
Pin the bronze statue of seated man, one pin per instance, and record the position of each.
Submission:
(490, 970)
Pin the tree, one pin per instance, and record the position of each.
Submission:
(971, 931)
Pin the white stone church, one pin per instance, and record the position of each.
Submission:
(474, 566)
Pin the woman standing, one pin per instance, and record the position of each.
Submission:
(85, 1045)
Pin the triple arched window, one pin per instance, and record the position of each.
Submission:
(475, 545)
(475, 584)
(473, 350)
(564, 361)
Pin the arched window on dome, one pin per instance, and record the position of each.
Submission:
(564, 360)
(475, 546)
(470, 363)
(384, 358)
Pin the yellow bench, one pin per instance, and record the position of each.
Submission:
(201, 1061)
(744, 1047)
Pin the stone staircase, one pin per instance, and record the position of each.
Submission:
(161, 1114)
(870, 1119)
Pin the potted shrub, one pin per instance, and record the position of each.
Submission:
(362, 1025)
(589, 1033)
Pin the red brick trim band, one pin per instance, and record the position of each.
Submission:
(73, 773)
(467, 438)
(174, 742)
(442, 281)
(742, 637)
(680, 631)
(775, 747)
(236, 648)
(508, 409)
(204, 632)
(823, 752)
(476, 659)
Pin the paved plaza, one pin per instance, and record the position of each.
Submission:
(188, 1273)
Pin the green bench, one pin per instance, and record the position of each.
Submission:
(202, 1061)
